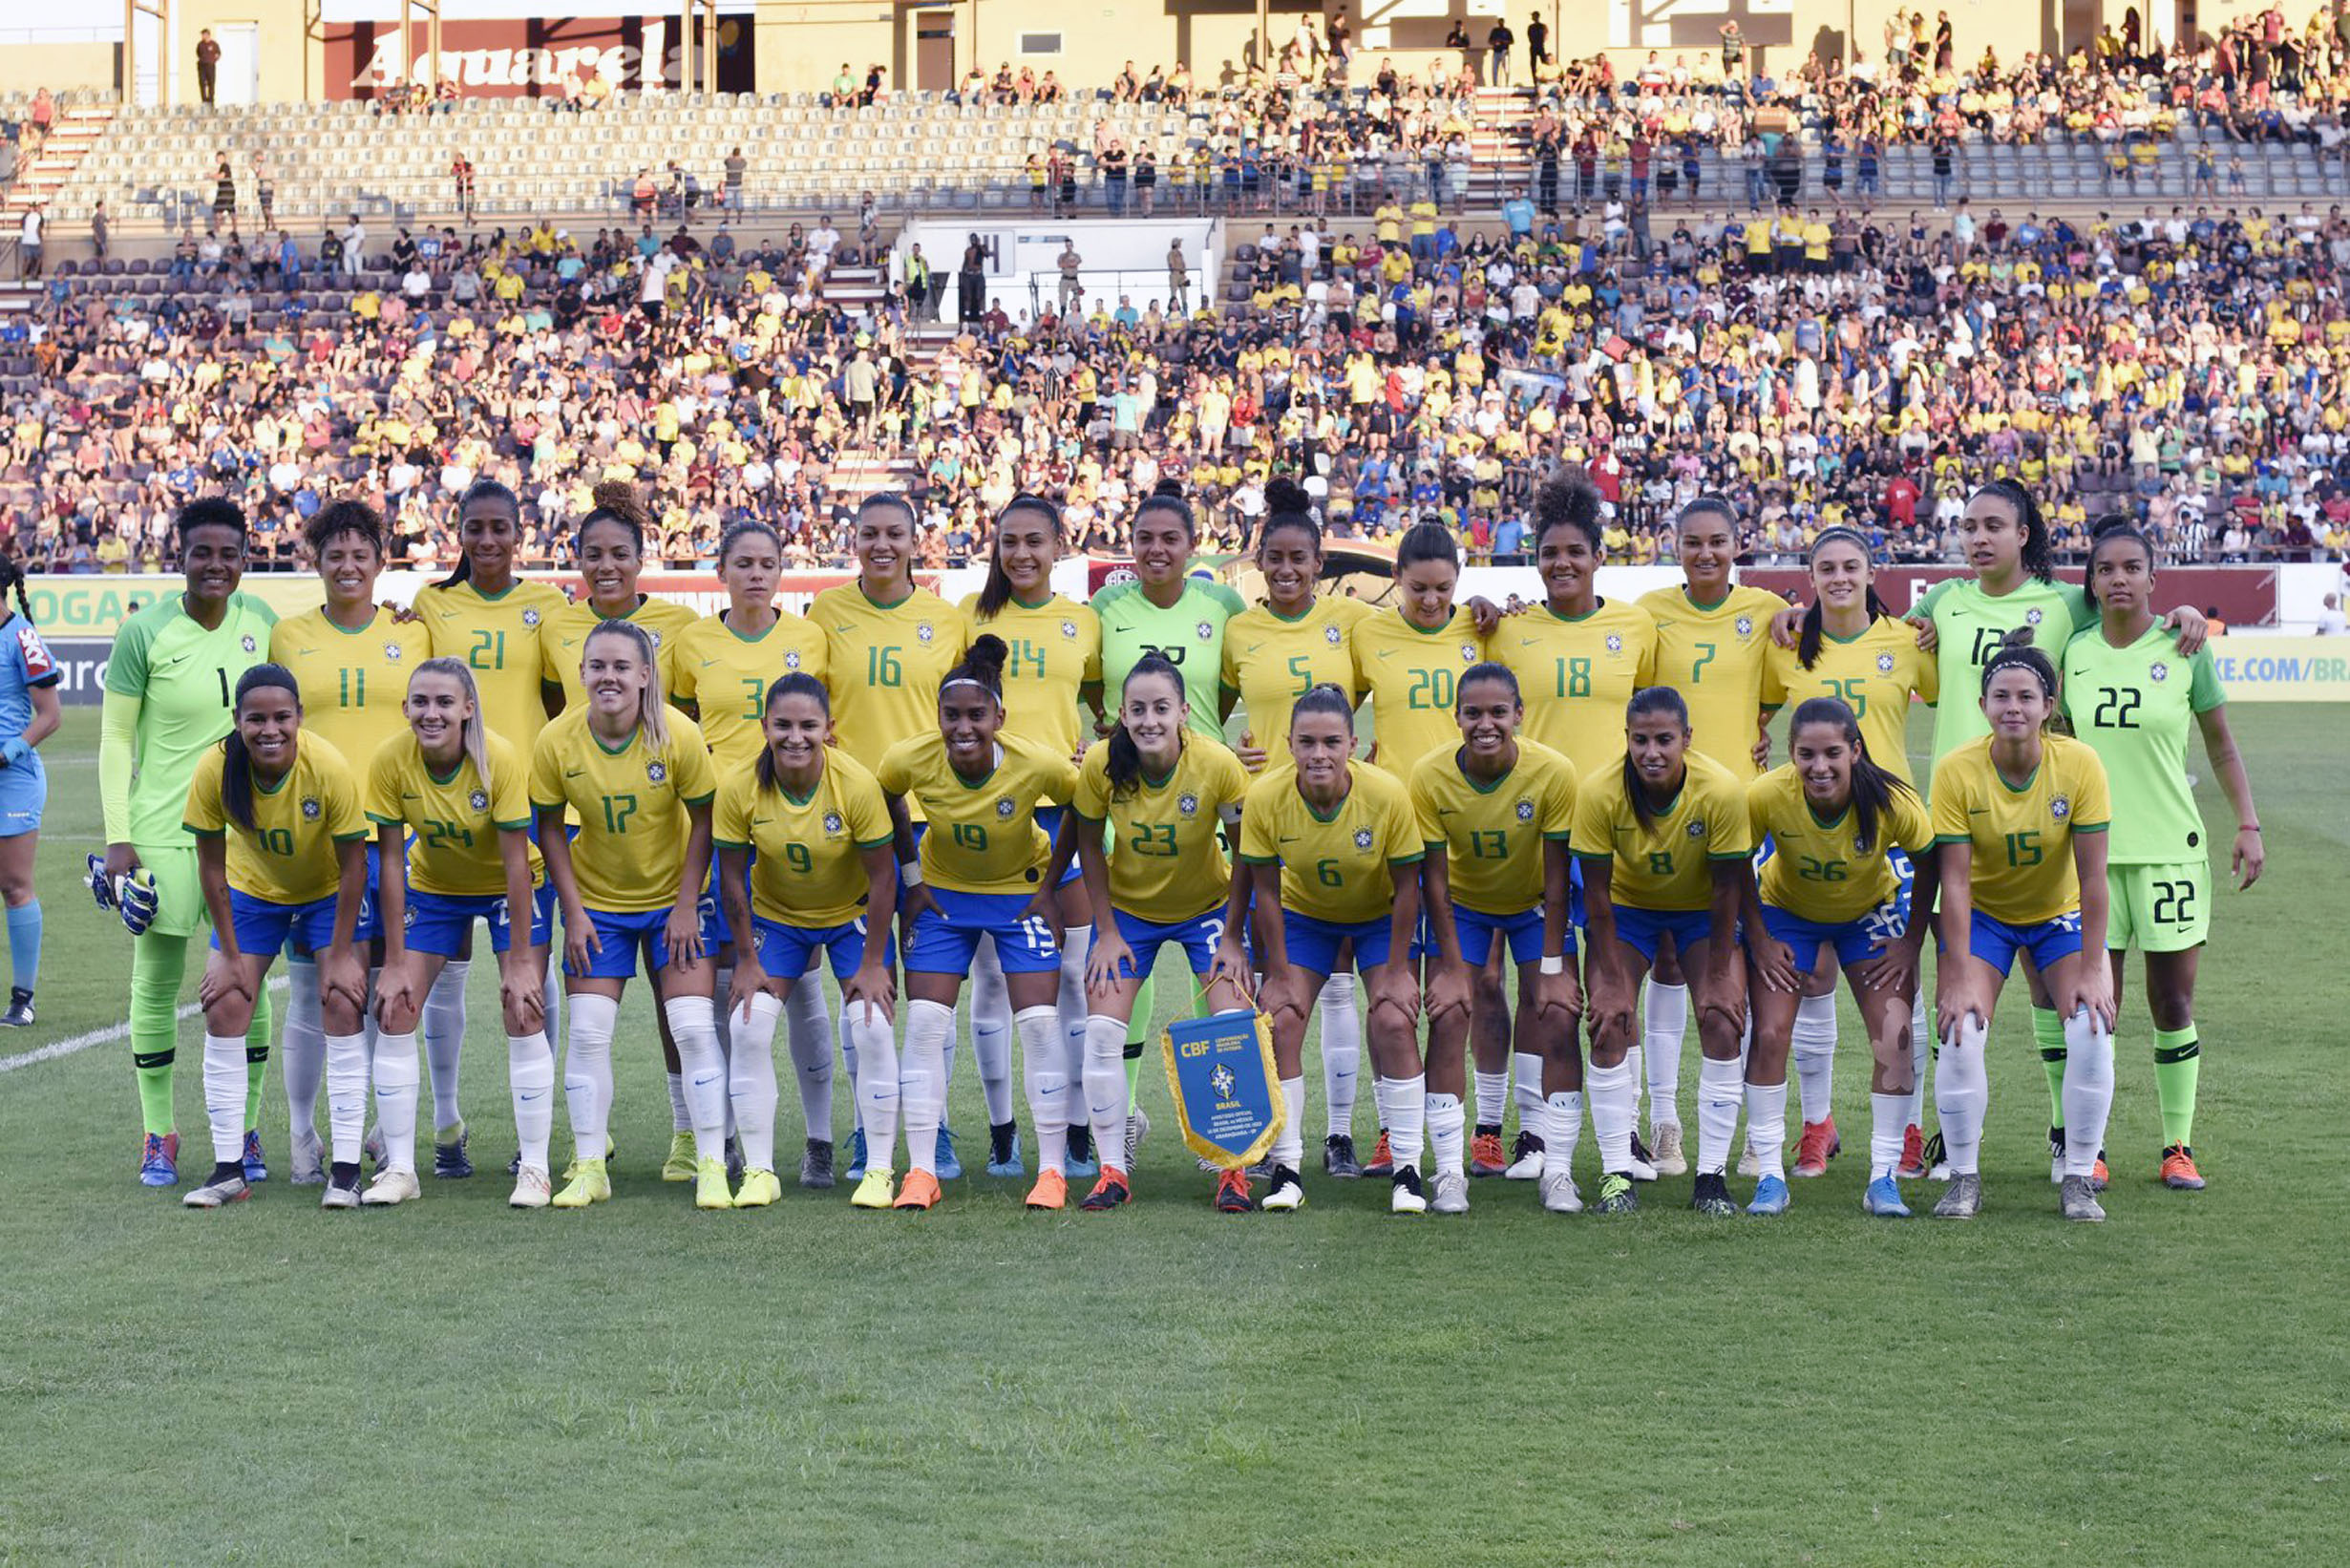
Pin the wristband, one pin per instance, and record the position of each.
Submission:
(910, 872)
(2248, 827)
(1554, 963)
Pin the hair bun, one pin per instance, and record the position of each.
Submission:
(621, 497)
(1284, 495)
(1567, 494)
(1169, 487)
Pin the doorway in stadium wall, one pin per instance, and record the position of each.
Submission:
(933, 48)
(240, 77)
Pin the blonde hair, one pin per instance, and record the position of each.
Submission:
(651, 703)
(475, 735)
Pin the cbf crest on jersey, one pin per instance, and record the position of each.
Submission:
(1069, 631)
(2158, 672)
(1525, 811)
(480, 800)
(791, 660)
(1363, 838)
(1187, 804)
(2034, 616)
(923, 631)
(250, 645)
(1004, 809)
(530, 618)
(655, 771)
(2060, 808)
(1697, 829)
(1745, 626)
(1468, 653)
(394, 652)
(1615, 642)
(1884, 663)
(1333, 636)
(831, 824)
(1206, 629)
(310, 808)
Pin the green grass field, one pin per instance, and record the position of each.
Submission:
(453, 1382)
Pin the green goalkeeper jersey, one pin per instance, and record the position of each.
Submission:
(184, 679)
(1970, 624)
(2134, 705)
(1190, 633)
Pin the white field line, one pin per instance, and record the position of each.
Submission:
(73, 1044)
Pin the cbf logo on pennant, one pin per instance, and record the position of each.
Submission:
(1226, 1090)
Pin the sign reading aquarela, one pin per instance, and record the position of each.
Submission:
(531, 57)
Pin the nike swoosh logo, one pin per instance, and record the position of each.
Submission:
(1979, 811)
(707, 663)
(527, 1097)
(1387, 653)
(304, 652)
(1289, 837)
(706, 1082)
(574, 773)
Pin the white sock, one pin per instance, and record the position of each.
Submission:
(1721, 1091)
(722, 986)
(530, 1076)
(1341, 1052)
(1636, 1059)
(809, 1030)
(1527, 1069)
(750, 1078)
(1289, 1148)
(1666, 1019)
(301, 1046)
(225, 1090)
(395, 1098)
(848, 1050)
(1767, 1126)
(1813, 1044)
(444, 1038)
(347, 1101)
(1922, 1052)
(1615, 1103)
(1105, 1089)
(1962, 1095)
(991, 1032)
(1076, 943)
(1446, 1118)
(1562, 1129)
(1043, 1075)
(587, 1071)
(921, 1082)
(2088, 1092)
(1407, 1119)
(694, 1023)
(551, 1000)
(875, 1088)
(1889, 1125)
(681, 1118)
(1492, 1090)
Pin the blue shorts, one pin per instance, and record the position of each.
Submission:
(1197, 936)
(1313, 945)
(1049, 817)
(264, 927)
(1575, 896)
(1995, 942)
(1475, 930)
(1855, 941)
(715, 932)
(24, 792)
(786, 951)
(945, 939)
(1644, 928)
(620, 939)
(439, 923)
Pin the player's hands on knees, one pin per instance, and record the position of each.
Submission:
(522, 992)
(1230, 966)
(1558, 1001)
(1391, 986)
(1773, 960)
(684, 935)
(749, 980)
(1448, 990)
(395, 994)
(224, 978)
(2092, 990)
(1954, 1004)
(1892, 968)
(873, 988)
(342, 972)
(1106, 960)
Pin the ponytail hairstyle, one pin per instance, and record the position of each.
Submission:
(736, 532)
(1288, 505)
(2017, 652)
(889, 500)
(1710, 501)
(797, 684)
(982, 666)
(1328, 697)
(475, 735)
(237, 775)
(481, 490)
(1648, 699)
(1808, 642)
(2111, 527)
(616, 503)
(13, 581)
(337, 518)
(1125, 755)
(2038, 559)
(1872, 787)
(996, 591)
(1167, 495)
(1567, 499)
(1427, 542)
(651, 703)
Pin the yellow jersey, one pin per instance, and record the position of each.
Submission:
(1413, 678)
(1168, 861)
(1668, 864)
(1713, 656)
(725, 677)
(2023, 871)
(1875, 675)
(634, 806)
(287, 854)
(1819, 871)
(1055, 649)
(1493, 833)
(496, 636)
(1335, 868)
(457, 819)
(808, 868)
(887, 662)
(354, 684)
(562, 644)
(1272, 661)
(1576, 675)
(982, 837)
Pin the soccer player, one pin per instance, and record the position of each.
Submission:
(2132, 696)
(464, 791)
(28, 715)
(637, 774)
(1164, 791)
(353, 657)
(1495, 813)
(1334, 852)
(1055, 654)
(1833, 894)
(724, 664)
(806, 867)
(280, 853)
(1274, 653)
(888, 642)
(1664, 845)
(1850, 646)
(981, 873)
(170, 684)
(2020, 820)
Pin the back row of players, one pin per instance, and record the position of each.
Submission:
(1586, 764)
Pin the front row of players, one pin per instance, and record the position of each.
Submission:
(1410, 882)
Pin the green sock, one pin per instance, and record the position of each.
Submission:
(257, 1058)
(156, 964)
(1138, 1036)
(2179, 1065)
(2048, 1028)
